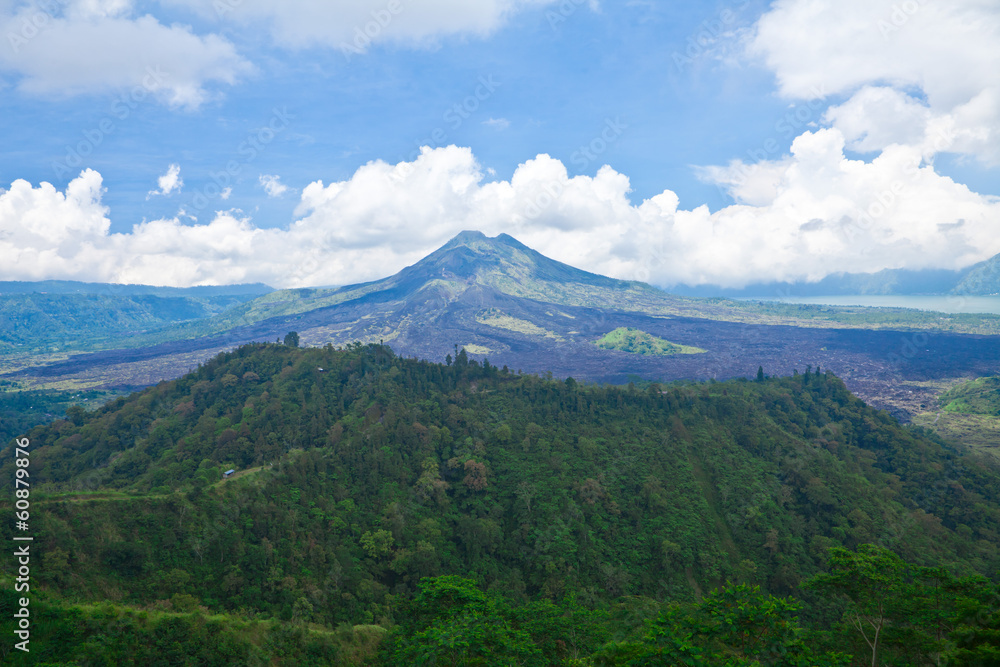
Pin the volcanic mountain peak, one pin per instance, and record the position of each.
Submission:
(501, 262)
(472, 260)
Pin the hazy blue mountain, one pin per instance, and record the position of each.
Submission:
(76, 287)
(982, 279)
(56, 315)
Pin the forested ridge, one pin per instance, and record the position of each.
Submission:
(39, 322)
(398, 510)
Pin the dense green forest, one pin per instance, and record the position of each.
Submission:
(393, 510)
(21, 410)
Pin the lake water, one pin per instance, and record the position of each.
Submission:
(941, 304)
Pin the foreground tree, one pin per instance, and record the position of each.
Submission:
(452, 622)
(735, 626)
(871, 580)
(911, 613)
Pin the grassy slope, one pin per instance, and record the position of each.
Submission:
(639, 342)
(970, 414)
(980, 396)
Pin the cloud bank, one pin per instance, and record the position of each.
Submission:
(358, 24)
(820, 212)
(915, 70)
(73, 47)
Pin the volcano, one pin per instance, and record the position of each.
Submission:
(503, 301)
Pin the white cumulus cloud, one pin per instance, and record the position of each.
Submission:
(61, 49)
(354, 26)
(915, 71)
(821, 212)
(272, 185)
(920, 78)
(169, 182)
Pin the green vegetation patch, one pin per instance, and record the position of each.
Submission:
(176, 631)
(501, 320)
(637, 341)
(980, 397)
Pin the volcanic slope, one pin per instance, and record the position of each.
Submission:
(499, 299)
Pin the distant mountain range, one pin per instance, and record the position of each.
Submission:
(57, 315)
(982, 279)
(251, 290)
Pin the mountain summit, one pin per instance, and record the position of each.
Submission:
(473, 263)
(473, 288)
(502, 263)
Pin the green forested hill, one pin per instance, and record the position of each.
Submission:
(361, 473)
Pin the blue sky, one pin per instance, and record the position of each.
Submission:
(276, 102)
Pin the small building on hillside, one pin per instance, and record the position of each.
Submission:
(228, 473)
